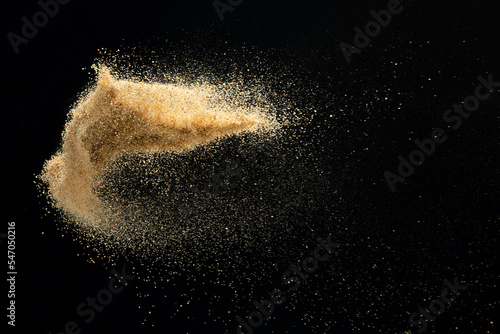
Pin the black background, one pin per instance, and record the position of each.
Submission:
(445, 215)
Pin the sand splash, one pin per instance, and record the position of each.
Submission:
(122, 116)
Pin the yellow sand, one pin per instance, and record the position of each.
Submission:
(120, 116)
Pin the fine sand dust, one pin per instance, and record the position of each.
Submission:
(121, 116)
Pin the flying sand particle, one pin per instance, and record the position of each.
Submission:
(121, 116)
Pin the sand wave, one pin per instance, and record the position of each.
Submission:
(119, 116)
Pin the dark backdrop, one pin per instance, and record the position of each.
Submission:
(445, 215)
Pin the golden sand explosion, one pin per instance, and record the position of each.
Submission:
(122, 116)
